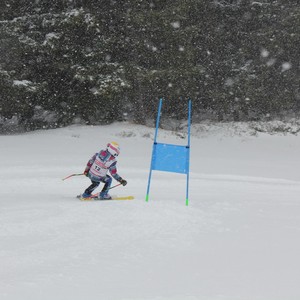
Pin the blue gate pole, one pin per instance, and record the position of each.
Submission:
(188, 152)
(153, 147)
(158, 119)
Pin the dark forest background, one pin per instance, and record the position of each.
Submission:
(95, 62)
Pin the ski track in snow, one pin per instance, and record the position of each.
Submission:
(238, 239)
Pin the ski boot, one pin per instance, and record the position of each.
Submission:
(104, 196)
(86, 195)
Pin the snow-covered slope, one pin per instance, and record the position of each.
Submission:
(238, 239)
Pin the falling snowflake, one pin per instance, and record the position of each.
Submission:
(264, 53)
(286, 66)
(271, 62)
(176, 24)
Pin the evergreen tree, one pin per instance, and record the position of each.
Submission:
(100, 61)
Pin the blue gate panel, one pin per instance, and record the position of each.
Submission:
(170, 158)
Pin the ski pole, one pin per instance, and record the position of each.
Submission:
(114, 186)
(72, 176)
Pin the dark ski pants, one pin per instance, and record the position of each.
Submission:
(107, 180)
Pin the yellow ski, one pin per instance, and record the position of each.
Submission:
(95, 198)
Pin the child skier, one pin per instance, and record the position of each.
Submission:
(97, 168)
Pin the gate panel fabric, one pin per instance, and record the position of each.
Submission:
(170, 158)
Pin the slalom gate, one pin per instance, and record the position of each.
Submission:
(170, 157)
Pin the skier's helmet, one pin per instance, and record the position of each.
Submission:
(113, 148)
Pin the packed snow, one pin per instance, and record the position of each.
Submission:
(238, 239)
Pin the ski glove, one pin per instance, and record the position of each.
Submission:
(123, 182)
(86, 172)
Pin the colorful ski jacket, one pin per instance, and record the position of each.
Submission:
(99, 164)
